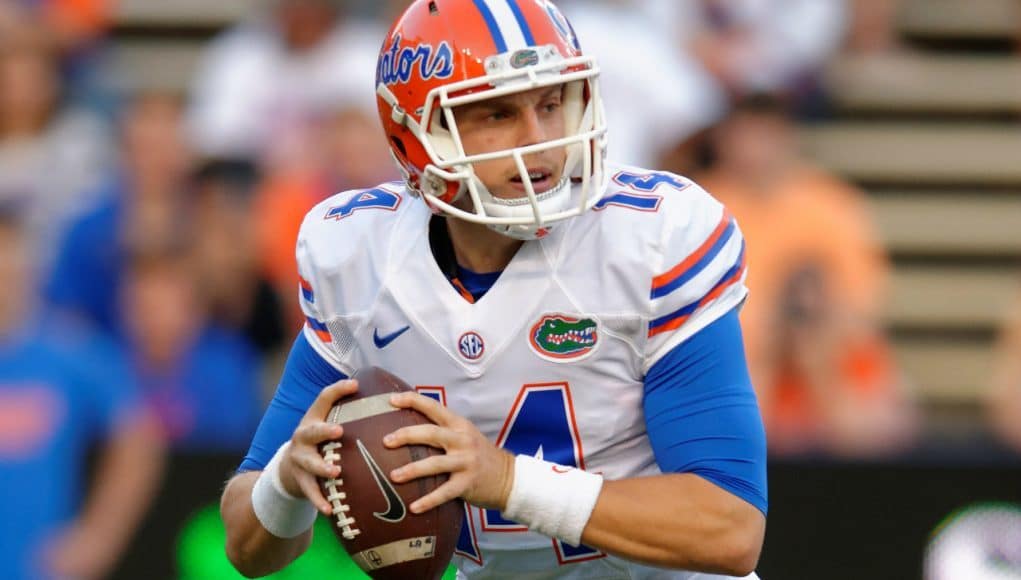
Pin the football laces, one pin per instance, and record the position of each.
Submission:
(336, 497)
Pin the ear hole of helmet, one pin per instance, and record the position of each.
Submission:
(399, 144)
(399, 153)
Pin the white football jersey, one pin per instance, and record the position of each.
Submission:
(551, 360)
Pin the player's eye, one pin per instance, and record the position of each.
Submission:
(498, 115)
(552, 100)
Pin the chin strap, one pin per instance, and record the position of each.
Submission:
(555, 200)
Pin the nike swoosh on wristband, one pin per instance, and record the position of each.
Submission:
(382, 341)
(395, 510)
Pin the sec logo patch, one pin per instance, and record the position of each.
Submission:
(471, 346)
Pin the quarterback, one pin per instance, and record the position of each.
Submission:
(571, 326)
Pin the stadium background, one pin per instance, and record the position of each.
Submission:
(932, 133)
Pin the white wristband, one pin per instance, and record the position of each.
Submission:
(551, 499)
(282, 514)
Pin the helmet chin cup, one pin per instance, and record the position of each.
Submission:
(552, 202)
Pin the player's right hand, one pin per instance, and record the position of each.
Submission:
(302, 463)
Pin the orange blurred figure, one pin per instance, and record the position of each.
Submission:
(824, 371)
(347, 152)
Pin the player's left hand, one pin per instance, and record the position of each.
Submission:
(480, 472)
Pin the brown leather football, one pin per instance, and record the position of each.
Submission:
(371, 515)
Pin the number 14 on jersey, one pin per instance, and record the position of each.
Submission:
(540, 423)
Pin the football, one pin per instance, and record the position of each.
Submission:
(371, 517)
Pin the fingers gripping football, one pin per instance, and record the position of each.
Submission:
(480, 472)
(303, 462)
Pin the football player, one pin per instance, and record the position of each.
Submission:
(571, 326)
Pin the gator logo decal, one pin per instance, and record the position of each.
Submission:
(559, 337)
(523, 58)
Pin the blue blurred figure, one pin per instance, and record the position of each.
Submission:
(62, 394)
(201, 379)
(142, 204)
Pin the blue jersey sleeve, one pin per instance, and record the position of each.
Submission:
(305, 375)
(702, 415)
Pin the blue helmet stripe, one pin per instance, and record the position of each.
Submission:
(494, 28)
(520, 16)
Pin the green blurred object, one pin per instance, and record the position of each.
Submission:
(200, 553)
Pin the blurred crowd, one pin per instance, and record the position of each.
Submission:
(147, 234)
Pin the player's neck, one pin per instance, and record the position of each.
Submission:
(479, 248)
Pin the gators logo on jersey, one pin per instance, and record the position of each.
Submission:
(559, 337)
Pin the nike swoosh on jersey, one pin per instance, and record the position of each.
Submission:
(395, 510)
(382, 341)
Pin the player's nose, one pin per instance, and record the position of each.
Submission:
(530, 128)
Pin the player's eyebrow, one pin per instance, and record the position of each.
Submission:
(500, 103)
(508, 100)
(552, 90)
